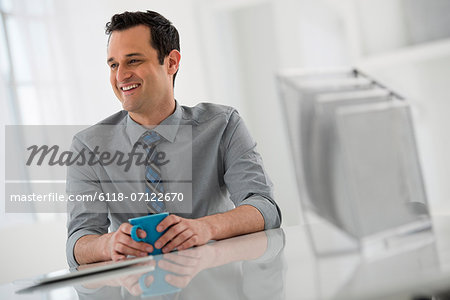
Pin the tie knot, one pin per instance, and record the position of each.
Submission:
(150, 138)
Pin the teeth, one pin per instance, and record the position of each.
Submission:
(129, 87)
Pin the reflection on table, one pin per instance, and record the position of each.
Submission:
(274, 264)
(243, 267)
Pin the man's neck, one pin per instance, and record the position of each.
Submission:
(154, 116)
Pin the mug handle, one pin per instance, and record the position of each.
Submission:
(134, 235)
(142, 284)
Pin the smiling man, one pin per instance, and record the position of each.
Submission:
(231, 193)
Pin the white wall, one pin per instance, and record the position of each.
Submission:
(31, 250)
(86, 98)
(84, 41)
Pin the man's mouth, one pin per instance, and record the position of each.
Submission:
(130, 87)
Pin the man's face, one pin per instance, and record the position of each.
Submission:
(136, 76)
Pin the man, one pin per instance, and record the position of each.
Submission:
(231, 194)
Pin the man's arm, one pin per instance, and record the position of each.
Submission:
(186, 233)
(182, 234)
(250, 190)
(110, 246)
(88, 238)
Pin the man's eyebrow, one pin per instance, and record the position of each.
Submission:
(127, 55)
(134, 54)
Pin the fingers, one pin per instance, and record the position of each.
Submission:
(148, 263)
(122, 244)
(117, 256)
(126, 228)
(191, 242)
(183, 240)
(141, 233)
(183, 260)
(175, 268)
(181, 234)
(126, 240)
(176, 228)
(194, 253)
(132, 285)
(124, 250)
(178, 281)
(149, 280)
(135, 289)
(129, 281)
(167, 222)
(173, 236)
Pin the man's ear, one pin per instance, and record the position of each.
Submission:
(173, 61)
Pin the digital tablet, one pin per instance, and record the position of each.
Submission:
(82, 271)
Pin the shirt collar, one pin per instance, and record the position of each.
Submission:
(168, 128)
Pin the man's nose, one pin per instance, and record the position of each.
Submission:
(123, 73)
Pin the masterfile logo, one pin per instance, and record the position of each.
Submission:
(38, 159)
(53, 156)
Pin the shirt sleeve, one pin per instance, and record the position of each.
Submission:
(245, 177)
(85, 214)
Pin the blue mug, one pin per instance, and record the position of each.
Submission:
(159, 285)
(148, 224)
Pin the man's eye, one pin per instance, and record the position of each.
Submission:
(132, 61)
(113, 66)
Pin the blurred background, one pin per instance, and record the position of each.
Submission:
(53, 72)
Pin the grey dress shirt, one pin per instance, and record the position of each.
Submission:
(207, 156)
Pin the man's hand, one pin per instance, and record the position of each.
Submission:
(121, 244)
(130, 281)
(185, 233)
(182, 233)
(185, 265)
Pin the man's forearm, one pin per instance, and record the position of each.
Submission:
(241, 220)
(92, 248)
(115, 245)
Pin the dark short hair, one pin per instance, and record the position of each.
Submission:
(163, 35)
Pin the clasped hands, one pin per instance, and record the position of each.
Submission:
(181, 268)
(181, 234)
